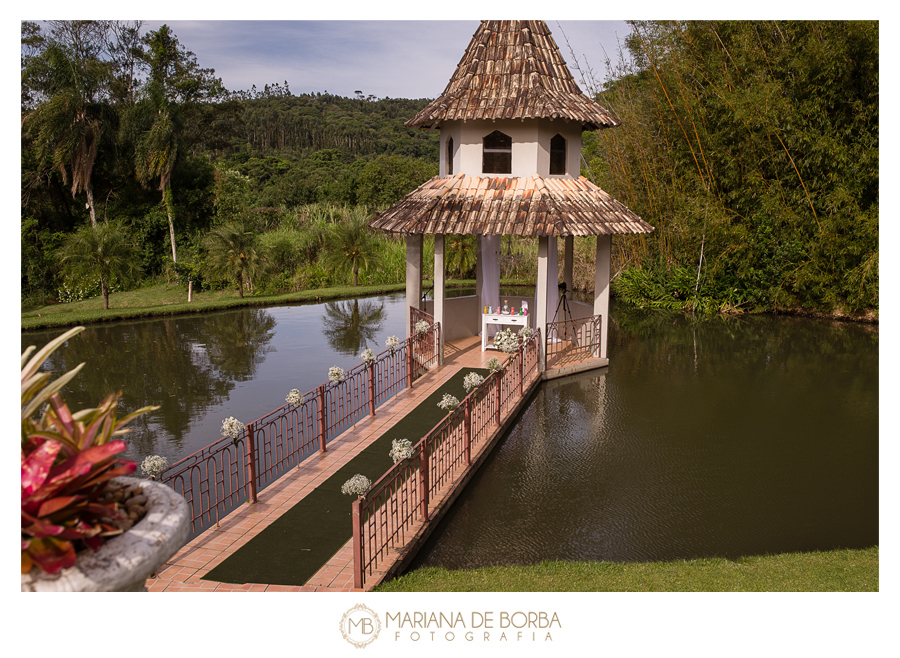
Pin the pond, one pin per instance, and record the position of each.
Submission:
(724, 437)
(721, 437)
(202, 369)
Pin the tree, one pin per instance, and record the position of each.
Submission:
(233, 254)
(389, 178)
(176, 83)
(104, 251)
(350, 244)
(69, 81)
(752, 147)
(462, 253)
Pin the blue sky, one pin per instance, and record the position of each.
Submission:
(395, 58)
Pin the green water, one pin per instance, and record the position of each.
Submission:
(718, 437)
(715, 438)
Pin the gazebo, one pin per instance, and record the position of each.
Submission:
(511, 120)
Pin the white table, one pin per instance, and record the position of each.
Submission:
(501, 319)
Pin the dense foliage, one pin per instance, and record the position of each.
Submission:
(753, 149)
(118, 125)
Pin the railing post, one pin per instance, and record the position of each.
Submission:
(467, 428)
(357, 545)
(423, 481)
(251, 463)
(499, 375)
(322, 418)
(522, 369)
(371, 369)
(409, 360)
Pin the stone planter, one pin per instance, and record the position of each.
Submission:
(125, 562)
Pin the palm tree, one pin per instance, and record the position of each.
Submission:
(104, 251)
(68, 126)
(175, 85)
(157, 152)
(232, 253)
(350, 245)
(461, 253)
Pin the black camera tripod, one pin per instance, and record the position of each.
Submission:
(564, 305)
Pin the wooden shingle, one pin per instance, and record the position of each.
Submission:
(509, 206)
(513, 70)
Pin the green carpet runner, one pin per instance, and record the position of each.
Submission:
(297, 544)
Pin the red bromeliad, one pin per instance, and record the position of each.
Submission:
(67, 461)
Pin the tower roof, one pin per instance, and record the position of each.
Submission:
(513, 70)
(510, 206)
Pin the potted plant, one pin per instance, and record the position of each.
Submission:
(76, 534)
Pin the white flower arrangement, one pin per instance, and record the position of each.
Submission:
(294, 398)
(422, 326)
(525, 333)
(335, 374)
(356, 486)
(232, 427)
(494, 364)
(392, 342)
(471, 381)
(506, 341)
(368, 356)
(401, 449)
(448, 403)
(153, 464)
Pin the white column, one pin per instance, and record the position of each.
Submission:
(413, 275)
(479, 275)
(439, 291)
(540, 317)
(569, 265)
(601, 287)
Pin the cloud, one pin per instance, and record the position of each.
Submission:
(400, 59)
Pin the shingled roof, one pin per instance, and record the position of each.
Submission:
(513, 70)
(494, 205)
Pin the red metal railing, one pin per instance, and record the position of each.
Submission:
(228, 472)
(569, 341)
(385, 517)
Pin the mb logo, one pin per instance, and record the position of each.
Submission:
(360, 626)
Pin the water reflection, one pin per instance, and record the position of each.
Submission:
(238, 344)
(184, 365)
(351, 325)
(722, 437)
(201, 369)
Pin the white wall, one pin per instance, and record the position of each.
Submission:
(530, 149)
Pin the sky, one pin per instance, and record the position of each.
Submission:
(390, 58)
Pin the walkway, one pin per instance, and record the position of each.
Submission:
(184, 572)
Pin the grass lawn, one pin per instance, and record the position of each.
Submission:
(163, 299)
(828, 571)
(171, 299)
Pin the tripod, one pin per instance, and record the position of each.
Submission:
(564, 305)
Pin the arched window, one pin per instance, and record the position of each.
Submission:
(557, 155)
(449, 156)
(497, 154)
